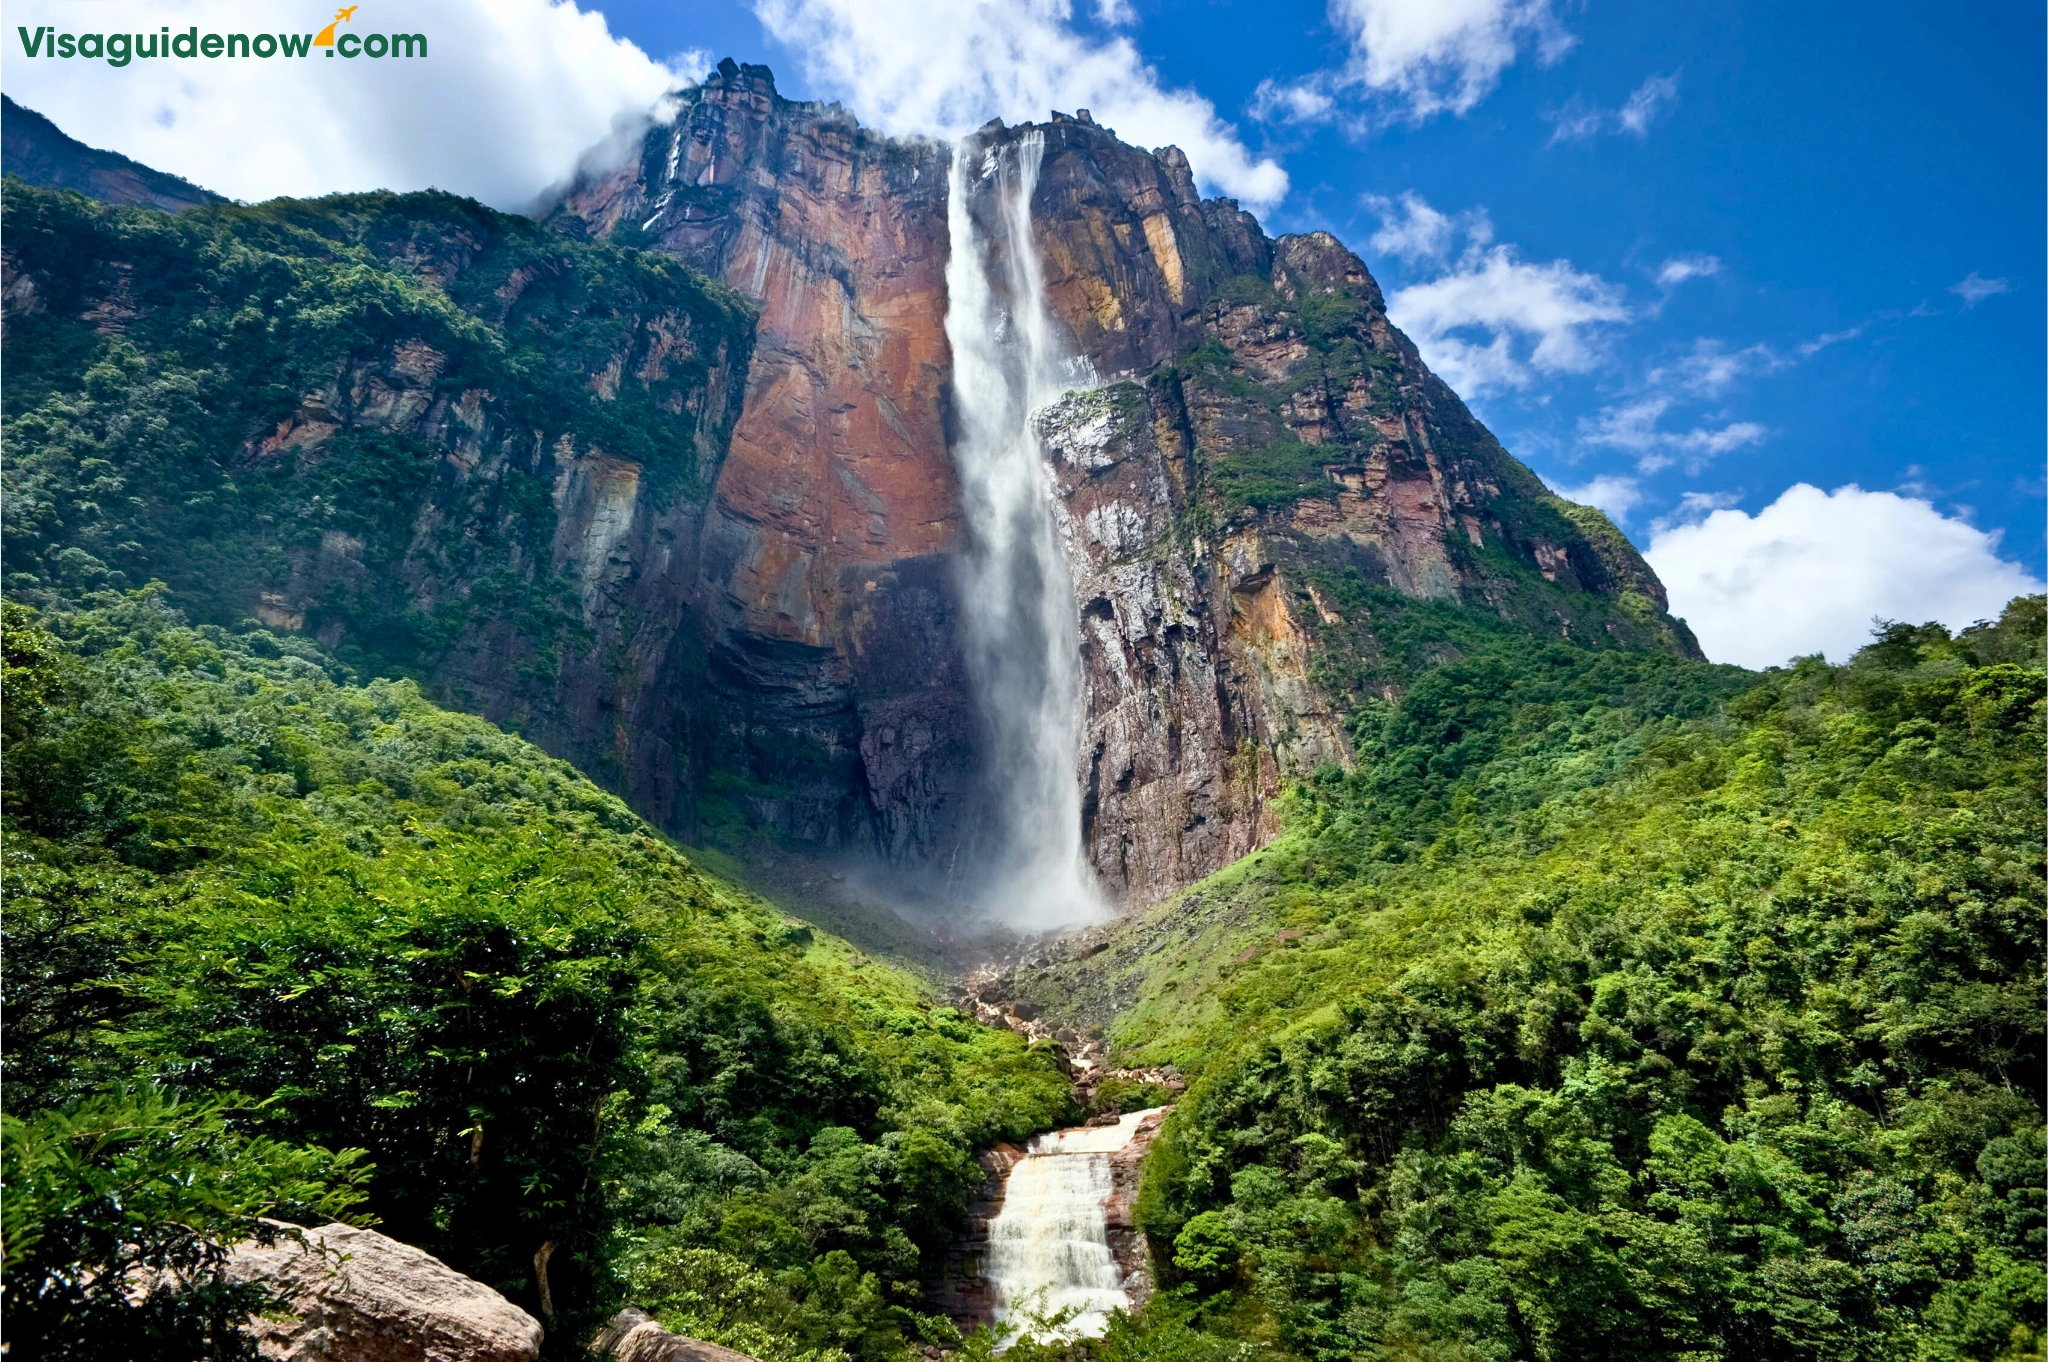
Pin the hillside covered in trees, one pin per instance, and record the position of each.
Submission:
(282, 943)
(1620, 1007)
(1606, 1004)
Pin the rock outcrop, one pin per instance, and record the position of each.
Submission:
(633, 1336)
(706, 548)
(355, 1295)
(824, 575)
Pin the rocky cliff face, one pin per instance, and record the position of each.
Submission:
(445, 442)
(725, 584)
(824, 571)
(1272, 444)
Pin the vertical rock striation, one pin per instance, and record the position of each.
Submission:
(824, 578)
(1270, 457)
(707, 539)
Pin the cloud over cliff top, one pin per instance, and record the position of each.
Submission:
(944, 67)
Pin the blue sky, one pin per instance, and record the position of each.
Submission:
(1680, 258)
(1844, 176)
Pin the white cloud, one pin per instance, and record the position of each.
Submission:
(1974, 288)
(511, 94)
(1680, 268)
(1441, 56)
(1116, 13)
(1491, 319)
(945, 67)
(1692, 508)
(1411, 230)
(1809, 572)
(1710, 368)
(1304, 101)
(1807, 349)
(1577, 121)
(1636, 428)
(1647, 101)
(1615, 495)
(1702, 374)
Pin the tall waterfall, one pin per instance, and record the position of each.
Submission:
(1049, 1245)
(1022, 631)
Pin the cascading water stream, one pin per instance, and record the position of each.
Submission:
(1022, 632)
(1049, 1245)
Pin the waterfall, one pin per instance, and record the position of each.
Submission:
(1022, 631)
(1049, 1245)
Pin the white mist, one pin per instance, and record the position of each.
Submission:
(1022, 632)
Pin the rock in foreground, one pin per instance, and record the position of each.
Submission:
(633, 1336)
(360, 1296)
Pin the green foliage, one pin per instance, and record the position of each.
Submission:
(405, 932)
(718, 1297)
(1639, 1009)
(1275, 475)
(1207, 1249)
(238, 399)
(148, 1193)
(1119, 1095)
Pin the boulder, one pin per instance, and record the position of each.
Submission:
(633, 1336)
(359, 1296)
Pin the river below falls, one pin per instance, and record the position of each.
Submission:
(1048, 1247)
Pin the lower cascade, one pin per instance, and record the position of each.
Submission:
(1049, 1249)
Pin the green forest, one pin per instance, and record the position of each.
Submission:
(283, 944)
(1606, 1004)
(1616, 1006)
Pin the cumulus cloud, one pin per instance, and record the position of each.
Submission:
(1410, 60)
(1412, 230)
(1612, 493)
(1974, 288)
(1303, 101)
(1442, 56)
(1680, 268)
(1637, 428)
(944, 67)
(1577, 121)
(1491, 319)
(512, 93)
(1808, 573)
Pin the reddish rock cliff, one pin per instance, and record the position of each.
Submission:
(823, 575)
(1284, 447)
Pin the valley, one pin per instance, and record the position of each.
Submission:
(656, 750)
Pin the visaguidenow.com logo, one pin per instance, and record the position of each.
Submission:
(118, 49)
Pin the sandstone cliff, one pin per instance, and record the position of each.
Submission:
(701, 538)
(1275, 442)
